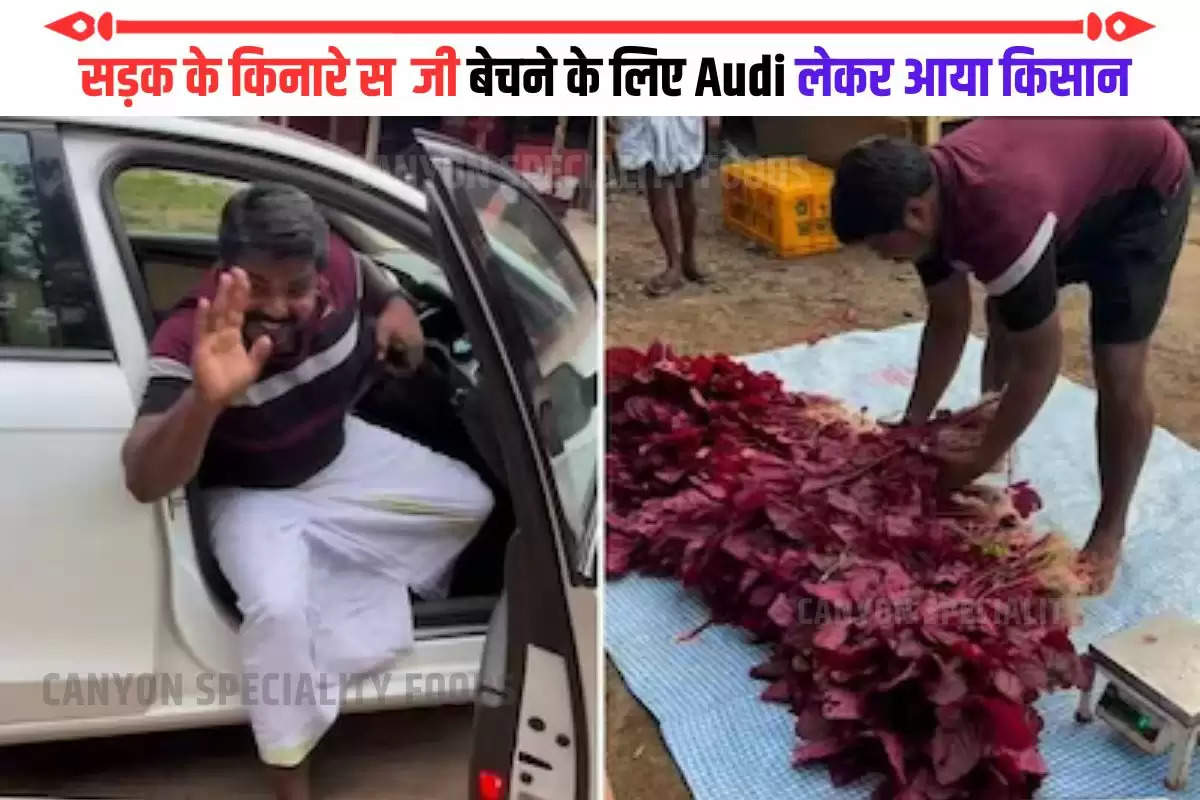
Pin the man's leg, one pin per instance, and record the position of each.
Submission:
(290, 783)
(1129, 282)
(389, 515)
(658, 193)
(259, 542)
(1124, 422)
(685, 200)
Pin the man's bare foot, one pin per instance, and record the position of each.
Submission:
(290, 783)
(665, 282)
(1099, 557)
(692, 272)
(1097, 570)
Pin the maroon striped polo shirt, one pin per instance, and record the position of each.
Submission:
(289, 424)
(1012, 188)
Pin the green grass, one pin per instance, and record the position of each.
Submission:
(160, 201)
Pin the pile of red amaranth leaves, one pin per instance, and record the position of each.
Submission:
(911, 633)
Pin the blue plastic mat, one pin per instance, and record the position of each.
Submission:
(731, 746)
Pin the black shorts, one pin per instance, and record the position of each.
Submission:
(1125, 252)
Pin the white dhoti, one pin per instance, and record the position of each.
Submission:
(322, 573)
(669, 144)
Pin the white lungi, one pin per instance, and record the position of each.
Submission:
(322, 572)
(669, 144)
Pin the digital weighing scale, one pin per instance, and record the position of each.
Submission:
(1148, 683)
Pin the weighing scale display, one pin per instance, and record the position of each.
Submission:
(1145, 725)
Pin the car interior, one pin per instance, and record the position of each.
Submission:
(441, 406)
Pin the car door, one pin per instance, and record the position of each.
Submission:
(81, 566)
(531, 309)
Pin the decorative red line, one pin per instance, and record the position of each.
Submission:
(580, 27)
(82, 26)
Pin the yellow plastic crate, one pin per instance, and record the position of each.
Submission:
(782, 203)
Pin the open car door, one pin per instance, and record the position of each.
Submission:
(529, 307)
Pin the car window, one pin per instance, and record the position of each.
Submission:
(167, 203)
(159, 203)
(47, 297)
(164, 201)
(392, 253)
(557, 308)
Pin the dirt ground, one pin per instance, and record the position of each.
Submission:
(759, 302)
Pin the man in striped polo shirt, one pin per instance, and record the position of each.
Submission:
(1027, 206)
(321, 522)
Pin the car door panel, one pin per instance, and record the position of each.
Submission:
(560, 366)
(204, 631)
(81, 572)
(532, 735)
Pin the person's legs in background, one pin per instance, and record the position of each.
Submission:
(668, 152)
(685, 200)
(662, 212)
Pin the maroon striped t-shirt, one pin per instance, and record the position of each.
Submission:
(290, 423)
(1013, 188)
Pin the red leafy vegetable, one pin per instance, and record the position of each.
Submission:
(815, 751)
(956, 750)
(910, 633)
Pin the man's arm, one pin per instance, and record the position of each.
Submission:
(1033, 333)
(397, 327)
(1036, 354)
(1033, 330)
(378, 287)
(163, 451)
(942, 343)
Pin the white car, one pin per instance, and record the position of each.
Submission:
(95, 584)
